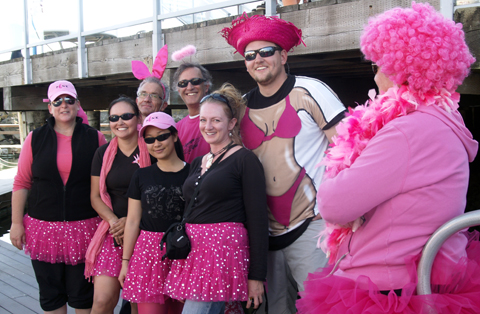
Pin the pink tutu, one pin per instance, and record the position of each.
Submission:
(109, 261)
(216, 268)
(146, 270)
(58, 241)
(337, 294)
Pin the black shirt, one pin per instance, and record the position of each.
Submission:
(161, 196)
(234, 191)
(118, 178)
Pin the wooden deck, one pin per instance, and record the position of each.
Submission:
(6, 180)
(18, 287)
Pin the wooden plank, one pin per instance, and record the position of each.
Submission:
(470, 85)
(12, 73)
(23, 266)
(20, 285)
(12, 306)
(7, 98)
(115, 56)
(28, 279)
(30, 303)
(59, 65)
(470, 19)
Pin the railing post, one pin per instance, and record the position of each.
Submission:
(81, 49)
(446, 8)
(157, 36)
(270, 7)
(22, 126)
(27, 62)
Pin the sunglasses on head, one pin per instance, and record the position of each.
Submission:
(125, 117)
(59, 101)
(193, 81)
(264, 52)
(218, 97)
(374, 68)
(160, 138)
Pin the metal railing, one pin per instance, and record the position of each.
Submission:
(434, 244)
(157, 39)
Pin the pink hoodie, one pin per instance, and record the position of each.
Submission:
(410, 179)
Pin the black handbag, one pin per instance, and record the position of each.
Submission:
(177, 242)
(175, 238)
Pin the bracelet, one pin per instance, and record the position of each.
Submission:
(125, 259)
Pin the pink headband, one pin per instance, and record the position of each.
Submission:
(140, 69)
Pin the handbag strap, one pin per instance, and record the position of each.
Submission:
(195, 193)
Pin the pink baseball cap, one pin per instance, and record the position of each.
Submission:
(159, 120)
(60, 88)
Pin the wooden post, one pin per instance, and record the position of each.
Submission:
(36, 119)
(22, 126)
(93, 118)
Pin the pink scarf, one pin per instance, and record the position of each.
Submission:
(96, 244)
(357, 129)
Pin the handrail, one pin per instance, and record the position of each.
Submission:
(437, 239)
(160, 17)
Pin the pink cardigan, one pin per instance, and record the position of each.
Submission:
(410, 179)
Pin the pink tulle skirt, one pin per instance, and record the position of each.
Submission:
(216, 268)
(337, 294)
(146, 275)
(109, 260)
(58, 241)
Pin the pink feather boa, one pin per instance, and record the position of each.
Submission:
(357, 129)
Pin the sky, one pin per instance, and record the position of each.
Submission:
(60, 16)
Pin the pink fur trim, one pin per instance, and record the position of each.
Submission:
(184, 52)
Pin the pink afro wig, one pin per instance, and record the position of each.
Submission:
(419, 47)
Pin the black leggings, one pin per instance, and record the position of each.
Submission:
(60, 284)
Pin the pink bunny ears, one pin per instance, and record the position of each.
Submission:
(140, 69)
(184, 52)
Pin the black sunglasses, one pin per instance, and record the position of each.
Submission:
(194, 81)
(160, 138)
(125, 117)
(374, 68)
(218, 97)
(264, 52)
(68, 100)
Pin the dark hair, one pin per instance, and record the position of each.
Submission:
(178, 145)
(187, 65)
(128, 100)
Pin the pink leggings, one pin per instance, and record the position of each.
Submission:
(170, 307)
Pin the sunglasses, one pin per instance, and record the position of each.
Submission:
(218, 97)
(125, 117)
(374, 68)
(193, 81)
(160, 138)
(59, 101)
(264, 52)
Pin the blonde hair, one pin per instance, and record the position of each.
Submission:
(234, 109)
